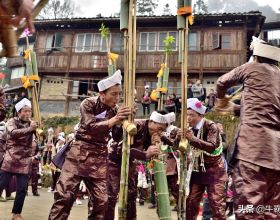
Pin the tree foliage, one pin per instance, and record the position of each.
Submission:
(56, 9)
(146, 7)
(200, 7)
(229, 6)
(166, 10)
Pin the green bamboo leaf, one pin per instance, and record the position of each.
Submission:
(104, 31)
(168, 41)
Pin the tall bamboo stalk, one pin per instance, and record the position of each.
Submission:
(162, 192)
(159, 167)
(128, 25)
(182, 25)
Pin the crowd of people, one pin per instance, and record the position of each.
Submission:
(172, 102)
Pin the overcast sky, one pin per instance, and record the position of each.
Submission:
(90, 8)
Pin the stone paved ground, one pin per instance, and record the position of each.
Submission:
(37, 208)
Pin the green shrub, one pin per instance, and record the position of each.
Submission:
(229, 122)
(66, 123)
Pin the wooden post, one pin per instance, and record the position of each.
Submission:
(69, 83)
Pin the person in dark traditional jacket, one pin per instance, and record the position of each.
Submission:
(18, 155)
(172, 162)
(257, 149)
(2, 104)
(87, 158)
(142, 149)
(207, 165)
(3, 138)
(34, 173)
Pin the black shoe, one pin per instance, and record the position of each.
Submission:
(175, 209)
(229, 214)
(141, 203)
(36, 194)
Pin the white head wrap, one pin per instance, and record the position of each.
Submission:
(22, 103)
(147, 87)
(261, 49)
(159, 118)
(60, 138)
(267, 51)
(171, 117)
(61, 134)
(50, 130)
(196, 105)
(115, 79)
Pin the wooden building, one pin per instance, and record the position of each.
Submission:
(72, 55)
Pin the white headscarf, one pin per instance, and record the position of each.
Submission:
(115, 79)
(159, 118)
(196, 105)
(22, 103)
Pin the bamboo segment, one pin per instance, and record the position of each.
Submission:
(35, 97)
(111, 69)
(180, 60)
(183, 59)
(128, 25)
(163, 202)
(180, 18)
(124, 15)
(165, 78)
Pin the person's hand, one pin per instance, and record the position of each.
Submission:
(122, 114)
(156, 138)
(189, 134)
(34, 124)
(25, 11)
(224, 106)
(179, 134)
(153, 150)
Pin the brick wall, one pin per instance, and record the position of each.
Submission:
(52, 89)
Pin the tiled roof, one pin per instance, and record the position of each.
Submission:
(79, 19)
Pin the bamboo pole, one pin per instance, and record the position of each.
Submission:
(182, 25)
(128, 25)
(159, 172)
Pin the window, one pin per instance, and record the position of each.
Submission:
(193, 41)
(100, 43)
(221, 41)
(75, 88)
(161, 38)
(225, 41)
(147, 41)
(54, 41)
(216, 41)
(273, 37)
(174, 34)
(83, 43)
(17, 72)
(116, 42)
